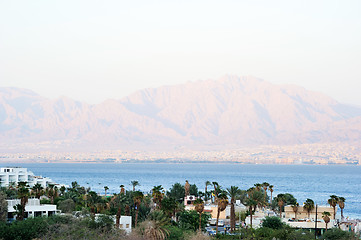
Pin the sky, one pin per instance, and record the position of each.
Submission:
(95, 50)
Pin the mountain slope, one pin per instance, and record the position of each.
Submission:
(233, 110)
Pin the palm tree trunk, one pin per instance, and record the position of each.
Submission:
(334, 212)
(117, 221)
(250, 212)
(200, 222)
(218, 212)
(233, 220)
(326, 226)
(136, 217)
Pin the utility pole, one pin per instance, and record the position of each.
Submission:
(316, 223)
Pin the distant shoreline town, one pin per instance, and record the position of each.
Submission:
(318, 154)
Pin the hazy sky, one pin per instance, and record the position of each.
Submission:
(94, 50)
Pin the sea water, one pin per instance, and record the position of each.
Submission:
(317, 182)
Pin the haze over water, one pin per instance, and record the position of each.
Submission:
(317, 182)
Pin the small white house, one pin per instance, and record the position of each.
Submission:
(32, 209)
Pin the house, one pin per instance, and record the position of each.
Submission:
(33, 208)
(14, 175)
(125, 222)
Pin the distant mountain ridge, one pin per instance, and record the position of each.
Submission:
(230, 111)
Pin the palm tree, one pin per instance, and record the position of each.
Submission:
(251, 203)
(281, 201)
(326, 218)
(208, 183)
(199, 207)
(265, 186)
(270, 187)
(118, 201)
(157, 195)
(134, 184)
(52, 192)
(341, 204)
(137, 198)
(309, 205)
(23, 194)
(233, 192)
(155, 228)
(92, 199)
(216, 190)
(37, 190)
(222, 202)
(295, 209)
(333, 200)
(258, 186)
(186, 188)
(122, 190)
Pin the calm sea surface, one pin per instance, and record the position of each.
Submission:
(317, 182)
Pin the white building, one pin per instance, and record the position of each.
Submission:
(9, 175)
(32, 209)
(125, 222)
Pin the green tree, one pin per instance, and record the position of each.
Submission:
(23, 195)
(273, 222)
(134, 184)
(3, 207)
(52, 192)
(233, 192)
(199, 207)
(295, 209)
(222, 203)
(189, 220)
(280, 201)
(66, 206)
(309, 205)
(176, 192)
(106, 188)
(333, 200)
(137, 198)
(341, 204)
(326, 217)
(37, 190)
(193, 190)
(207, 183)
(157, 195)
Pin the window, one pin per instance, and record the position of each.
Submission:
(127, 226)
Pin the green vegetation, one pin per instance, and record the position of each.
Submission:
(158, 214)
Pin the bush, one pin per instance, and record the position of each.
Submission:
(273, 222)
(66, 206)
(338, 234)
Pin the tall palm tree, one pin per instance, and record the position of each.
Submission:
(333, 200)
(281, 201)
(265, 186)
(216, 190)
(233, 192)
(309, 205)
(137, 198)
(52, 192)
(341, 204)
(270, 187)
(199, 207)
(207, 183)
(134, 184)
(250, 202)
(258, 186)
(37, 190)
(23, 195)
(222, 202)
(122, 189)
(118, 200)
(326, 218)
(106, 188)
(157, 195)
(295, 209)
(186, 188)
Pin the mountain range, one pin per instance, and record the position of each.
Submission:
(236, 111)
